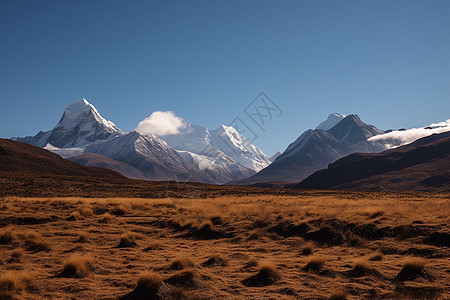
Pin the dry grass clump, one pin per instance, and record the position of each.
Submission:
(12, 283)
(35, 242)
(363, 268)
(253, 235)
(128, 240)
(107, 218)
(315, 263)
(251, 263)
(85, 211)
(413, 268)
(82, 238)
(377, 256)
(121, 209)
(16, 255)
(414, 264)
(214, 261)
(154, 246)
(6, 236)
(74, 216)
(267, 275)
(181, 263)
(148, 285)
(77, 266)
(185, 278)
(307, 249)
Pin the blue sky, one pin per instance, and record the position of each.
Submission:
(387, 61)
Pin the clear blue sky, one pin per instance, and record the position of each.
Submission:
(387, 61)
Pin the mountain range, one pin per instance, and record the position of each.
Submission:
(315, 149)
(198, 154)
(193, 154)
(422, 165)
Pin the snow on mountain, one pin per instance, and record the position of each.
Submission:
(149, 154)
(315, 149)
(396, 138)
(231, 142)
(331, 121)
(223, 153)
(81, 124)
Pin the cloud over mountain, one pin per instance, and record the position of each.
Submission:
(161, 123)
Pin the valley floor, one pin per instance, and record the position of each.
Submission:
(311, 246)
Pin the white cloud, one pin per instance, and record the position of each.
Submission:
(398, 138)
(161, 123)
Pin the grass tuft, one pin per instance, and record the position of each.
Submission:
(267, 275)
(150, 282)
(12, 283)
(315, 263)
(77, 266)
(35, 242)
(6, 236)
(181, 263)
(377, 256)
(308, 248)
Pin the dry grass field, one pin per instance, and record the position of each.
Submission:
(320, 245)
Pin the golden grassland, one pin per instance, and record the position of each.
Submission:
(324, 246)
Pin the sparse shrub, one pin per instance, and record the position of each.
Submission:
(377, 256)
(35, 242)
(12, 283)
(120, 210)
(154, 246)
(215, 261)
(185, 278)
(363, 268)
(253, 235)
(82, 238)
(267, 275)
(413, 268)
(16, 255)
(150, 282)
(314, 264)
(251, 263)
(77, 266)
(86, 211)
(74, 216)
(127, 240)
(414, 264)
(307, 249)
(107, 218)
(181, 263)
(6, 236)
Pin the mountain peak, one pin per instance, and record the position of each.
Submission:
(81, 124)
(331, 121)
(353, 130)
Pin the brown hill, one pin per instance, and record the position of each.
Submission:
(101, 161)
(18, 158)
(423, 165)
(30, 171)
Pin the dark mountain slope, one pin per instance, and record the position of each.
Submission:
(19, 158)
(422, 165)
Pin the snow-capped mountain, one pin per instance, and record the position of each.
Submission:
(331, 121)
(315, 149)
(148, 153)
(222, 153)
(195, 153)
(80, 125)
